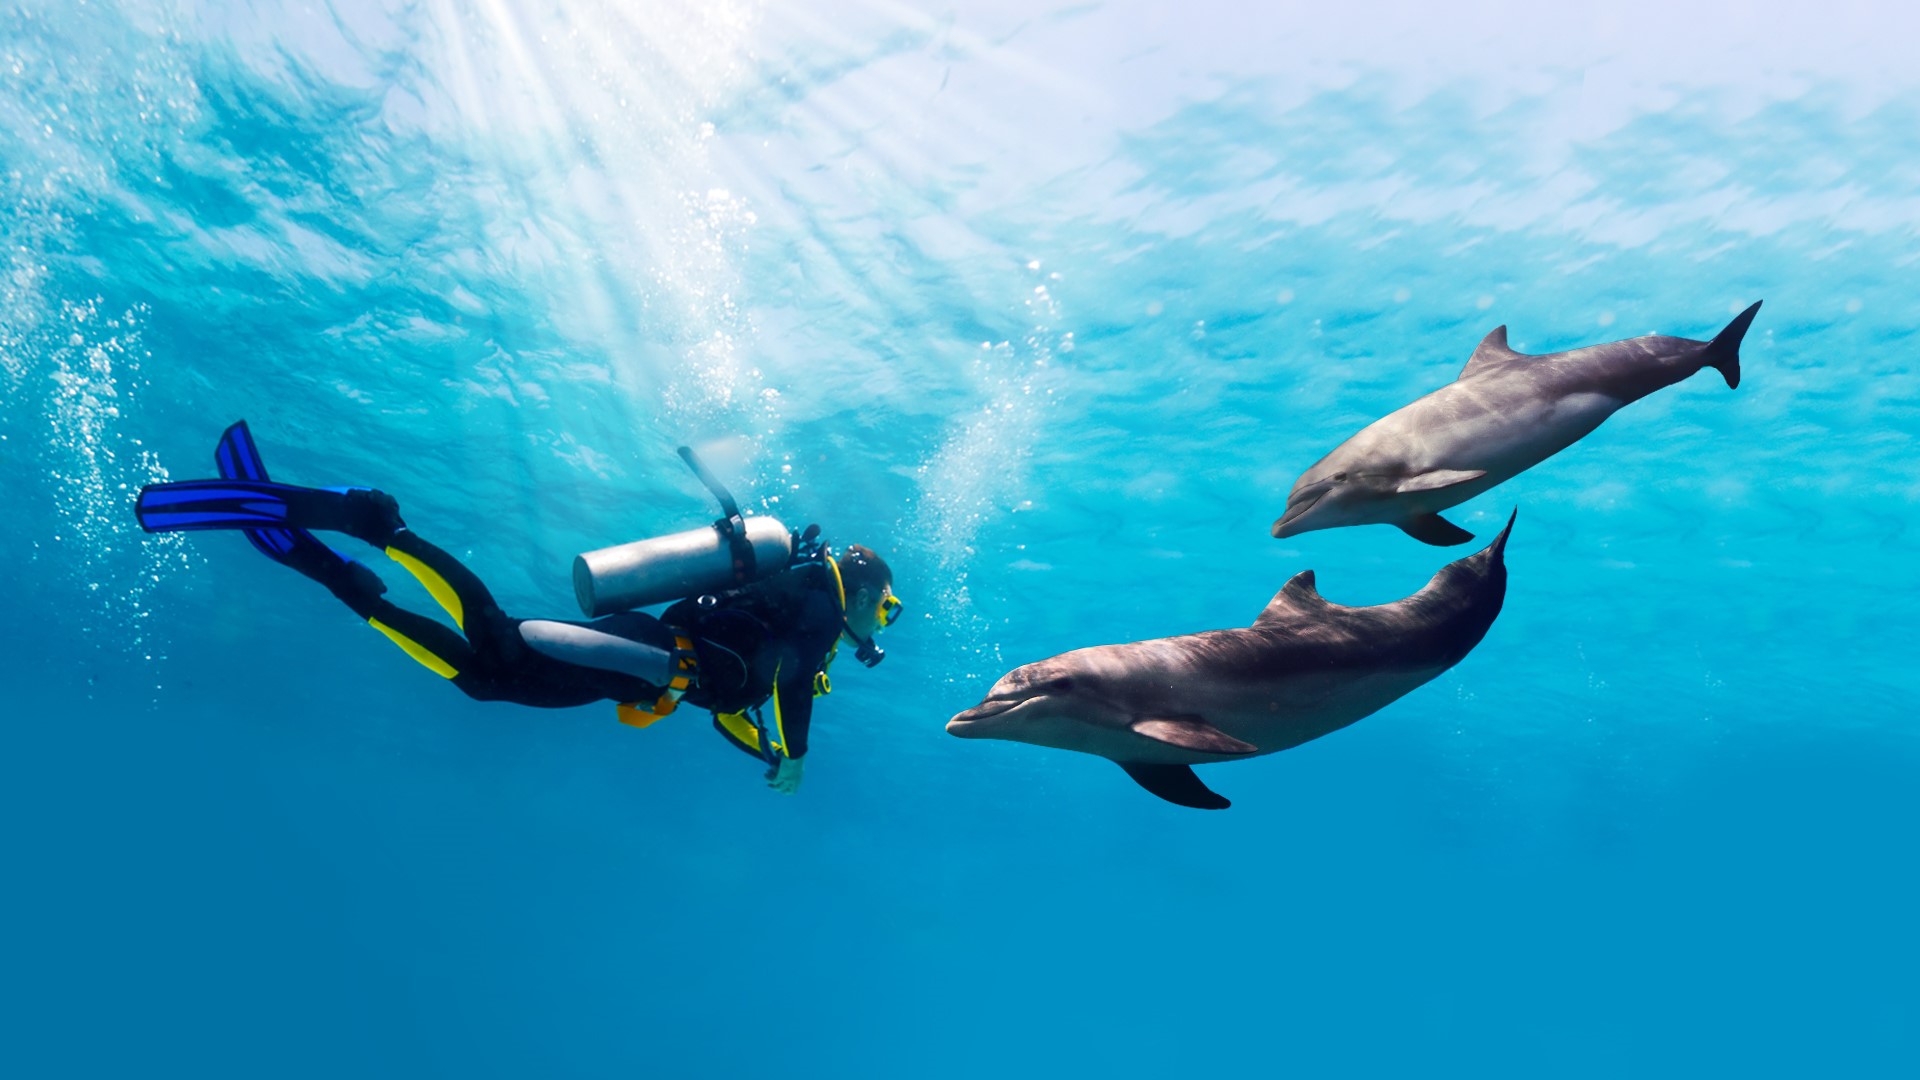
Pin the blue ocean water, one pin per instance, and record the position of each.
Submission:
(1050, 304)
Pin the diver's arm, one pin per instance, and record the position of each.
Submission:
(792, 715)
(793, 708)
(808, 649)
(799, 657)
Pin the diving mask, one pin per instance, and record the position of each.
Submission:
(884, 613)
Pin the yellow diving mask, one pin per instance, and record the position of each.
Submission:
(888, 609)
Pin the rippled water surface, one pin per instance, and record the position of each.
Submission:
(1051, 305)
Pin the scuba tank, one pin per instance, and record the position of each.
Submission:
(734, 551)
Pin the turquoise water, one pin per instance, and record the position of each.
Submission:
(1051, 306)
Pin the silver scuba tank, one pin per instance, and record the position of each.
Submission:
(672, 567)
(731, 552)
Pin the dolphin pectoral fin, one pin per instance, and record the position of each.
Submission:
(1190, 733)
(1436, 530)
(1437, 479)
(1177, 784)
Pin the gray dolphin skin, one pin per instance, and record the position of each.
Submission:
(1304, 668)
(1506, 413)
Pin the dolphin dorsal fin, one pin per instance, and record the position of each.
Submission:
(1297, 596)
(1493, 350)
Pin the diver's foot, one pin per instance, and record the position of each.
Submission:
(360, 580)
(355, 584)
(372, 515)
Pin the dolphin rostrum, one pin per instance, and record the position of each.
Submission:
(1304, 668)
(1506, 413)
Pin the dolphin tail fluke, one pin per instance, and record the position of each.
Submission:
(1499, 545)
(1723, 352)
(1177, 784)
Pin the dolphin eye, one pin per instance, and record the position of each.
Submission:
(1060, 685)
(1339, 478)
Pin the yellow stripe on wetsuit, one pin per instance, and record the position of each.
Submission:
(779, 728)
(444, 595)
(416, 650)
(437, 586)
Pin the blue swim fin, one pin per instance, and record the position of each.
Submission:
(239, 459)
(262, 505)
(233, 504)
(245, 499)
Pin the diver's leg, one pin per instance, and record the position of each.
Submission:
(454, 587)
(280, 514)
(441, 650)
(373, 516)
(490, 661)
(476, 662)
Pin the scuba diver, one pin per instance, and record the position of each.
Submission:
(760, 614)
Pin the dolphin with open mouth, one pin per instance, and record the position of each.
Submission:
(1506, 413)
(1304, 668)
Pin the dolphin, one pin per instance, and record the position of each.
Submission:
(1506, 413)
(1304, 668)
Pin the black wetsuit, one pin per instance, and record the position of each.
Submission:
(766, 640)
